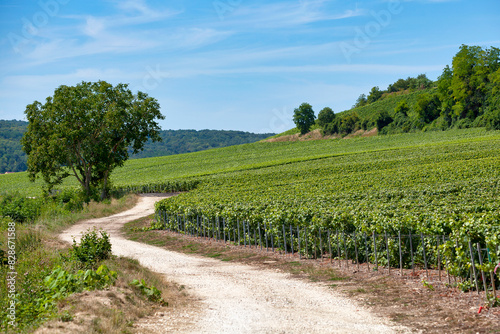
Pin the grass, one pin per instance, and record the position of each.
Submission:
(117, 309)
(39, 251)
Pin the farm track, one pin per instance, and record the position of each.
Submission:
(235, 298)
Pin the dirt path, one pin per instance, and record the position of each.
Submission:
(236, 298)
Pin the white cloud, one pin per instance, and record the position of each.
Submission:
(286, 14)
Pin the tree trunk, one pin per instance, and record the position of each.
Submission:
(105, 183)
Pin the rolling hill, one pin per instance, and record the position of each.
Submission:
(13, 159)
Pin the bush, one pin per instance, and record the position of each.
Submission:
(93, 248)
(72, 200)
(383, 120)
(21, 209)
(152, 292)
(493, 120)
(464, 123)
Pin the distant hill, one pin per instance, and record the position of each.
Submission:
(13, 159)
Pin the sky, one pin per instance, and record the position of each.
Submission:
(233, 64)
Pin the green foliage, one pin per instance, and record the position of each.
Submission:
(12, 158)
(152, 293)
(375, 95)
(60, 283)
(383, 120)
(185, 141)
(86, 131)
(325, 117)
(434, 187)
(402, 109)
(428, 107)
(360, 101)
(349, 123)
(19, 208)
(93, 248)
(303, 117)
(420, 82)
(472, 67)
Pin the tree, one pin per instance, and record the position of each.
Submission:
(423, 82)
(402, 108)
(349, 123)
(325, 117)
(361, 101)
(85, 131)
(383, 120)
(303, 117)
(427, 107)
(472, 67)
(444, 91)
(375, 94)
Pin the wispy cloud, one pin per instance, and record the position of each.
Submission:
(286, 14)
(92, 35)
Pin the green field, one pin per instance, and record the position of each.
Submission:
(431, 182)
(436, 183)
(251, 156)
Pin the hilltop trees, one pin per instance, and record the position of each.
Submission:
(467, 94)
(325, 116)
(303, 117)
(375, 94)
(85, 130)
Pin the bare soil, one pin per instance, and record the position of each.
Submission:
(316, 135)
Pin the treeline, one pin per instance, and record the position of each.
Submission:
(185, 141)
(465, 95)
(13, 159)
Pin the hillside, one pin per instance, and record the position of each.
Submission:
(13, 159)
(465, 95)
(442, 185)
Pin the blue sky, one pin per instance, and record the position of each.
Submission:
(233, 64)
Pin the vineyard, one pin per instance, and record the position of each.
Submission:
(443, 192)
(354, 196)
(201, 165)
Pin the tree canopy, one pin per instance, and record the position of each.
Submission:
(303, 117)
(325, 116)
(85, 130)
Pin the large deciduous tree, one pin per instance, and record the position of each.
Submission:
(303, 117)
(85, 131)
(472, 67)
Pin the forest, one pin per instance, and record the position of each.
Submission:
(13, 159)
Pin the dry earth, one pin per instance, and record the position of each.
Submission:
(236, 298)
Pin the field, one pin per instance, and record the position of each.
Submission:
(199, 165)
(442, 187)
(435, 183)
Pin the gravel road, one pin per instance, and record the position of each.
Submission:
(236, 298)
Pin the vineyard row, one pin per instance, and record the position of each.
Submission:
(437, 253)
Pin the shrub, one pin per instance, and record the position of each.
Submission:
(21, 209)
(60, 283)
(152, 292)
(493, 120)
(383, 120)
(93, 248)
(72, 200)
